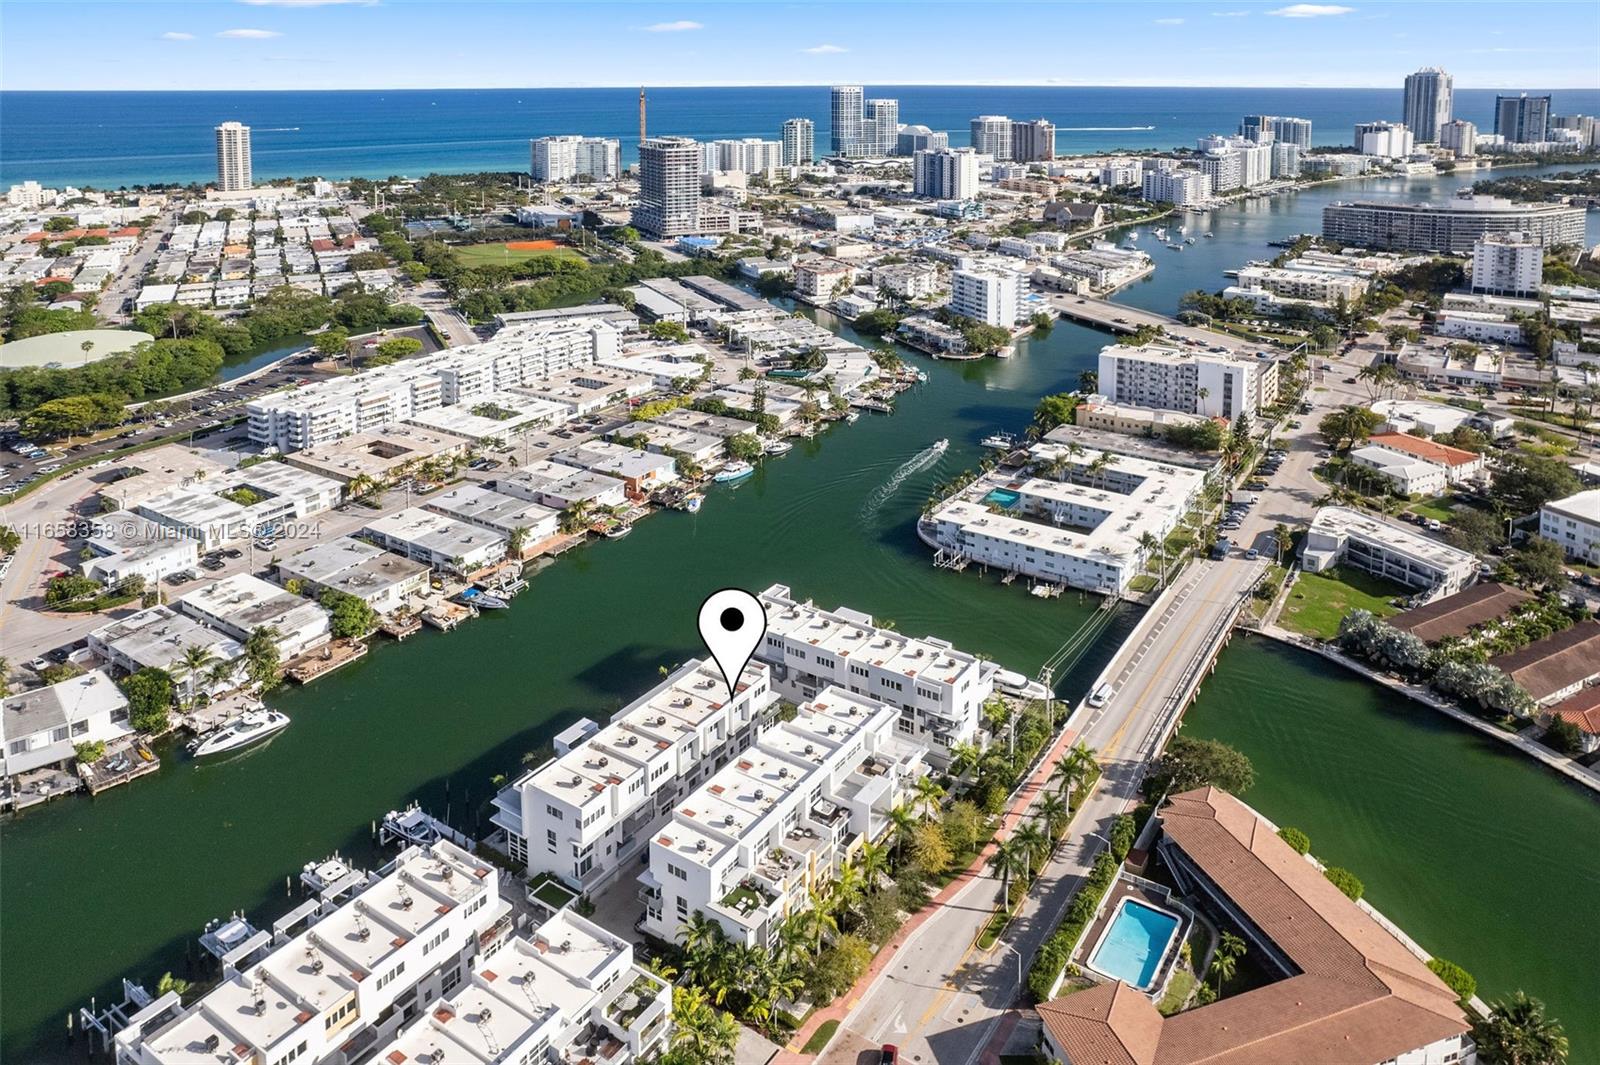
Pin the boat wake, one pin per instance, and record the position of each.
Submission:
(884, 492)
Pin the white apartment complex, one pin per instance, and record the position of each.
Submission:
(945, 173)
(1387, 140)
(991, 136)
(585, 815)
(233, 157)
(799, 142)
(242, 603)
(993, 297)
(520, 354)
(1507, 264)
(1078, 520)
(1574, 523)
(360, 970)
(1212, 383)
(749, 155)
(1340, 535)
(1186, 188)
(938, 690)
(570, 157)
(669, 187)
(748, 845)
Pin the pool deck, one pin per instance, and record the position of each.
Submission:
(1149, 895)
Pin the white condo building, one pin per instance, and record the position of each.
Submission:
(1509, 264)
(1236, 163)
(585, 815)
(669, 187)
(991, 136)
(568, 158)
(938, 690)
(749, 845)
(945, 173)
(847, 110)
(1574, 523)
(799, 142)
(1214, 384)
(993, 297)
(354, 973)
(880, 128)
(1340, 535)
(1429, 103)
(750, 155)
(233, 157)
(520, 354)
(1460, 137)
(1185, 188)
(1387, 140)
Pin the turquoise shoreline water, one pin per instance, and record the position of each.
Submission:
(108, 139)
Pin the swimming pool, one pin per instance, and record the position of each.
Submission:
(1134, 943)
(1004, 496)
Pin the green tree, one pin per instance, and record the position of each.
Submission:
(930, 851)
(673, 331)
(349, 617)
(149, 694)
(1518, 1032)
(1189, 763)
(1345, 881)
(261, 657)
(399, 347)
(59, 224)
(1539, 563)
(69, 588)
(1456, 979)
(1296, 839)
(332, 342)
(1055, 410)
(1348, 426)
(742, 446)
(73, 414)
(1524, 482)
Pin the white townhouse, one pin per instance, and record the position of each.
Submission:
(436, 540)
(1574, 523)
(939, 690)
(381, 579)
(586, 814)
(239, 604)
(348, 981)
(157, 638)
(41, 727)
(748, 846)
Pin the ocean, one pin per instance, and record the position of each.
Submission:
(109, 139)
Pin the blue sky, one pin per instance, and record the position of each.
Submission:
(330, 44)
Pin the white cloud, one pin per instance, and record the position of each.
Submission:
(1311, 10)
(249, 35)
(173, 36)
(824, 49)
(1169, 22)
(680, 26)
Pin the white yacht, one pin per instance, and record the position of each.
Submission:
(247, 728)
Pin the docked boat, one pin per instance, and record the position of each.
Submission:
(777, 447)
(1003, 441)
(617, 532)
(482, 599)
(853, 417)
(734, 471)
(249, 727)
(693, 503)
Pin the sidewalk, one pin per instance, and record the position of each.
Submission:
(841, 1007)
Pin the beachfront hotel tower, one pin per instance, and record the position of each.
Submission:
(233, 157)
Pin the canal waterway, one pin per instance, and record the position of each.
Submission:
(120, 885)
(1482, 855)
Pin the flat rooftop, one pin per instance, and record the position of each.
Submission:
(1345, 522)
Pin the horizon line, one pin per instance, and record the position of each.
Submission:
(802, 85)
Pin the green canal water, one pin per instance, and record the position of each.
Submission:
(92, 890)
(1480, 854)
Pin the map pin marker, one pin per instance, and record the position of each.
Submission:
(732, 624)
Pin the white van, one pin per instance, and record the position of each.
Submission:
(1100, 696)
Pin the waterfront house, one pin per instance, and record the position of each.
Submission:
(1558, 665)
(1344, 988)
(239, 604)
(548, 996)
(749, 845)
(1457, 615)
(437, 540)
(41, 727)
(347, 979)
(938, 690)
(642, 471)
(586, 814)
(1582, 711)
(157, 639)
(381, 579)
(500, 514)
(559, 486)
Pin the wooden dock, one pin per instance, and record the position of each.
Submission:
(399, 628)
(118, 766)
(325, 659)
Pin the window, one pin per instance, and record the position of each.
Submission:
(58, 735)
(550, 840)
(677, 872)
(553, 812)
(80, 728)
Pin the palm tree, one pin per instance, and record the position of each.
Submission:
(195, 659)
(698, 934)
(964, 757)
(86, 347)
(874, 863)
(1223, 966)
(1074, 766)
(1052, 810)
(222, 674)
(517, 541)
(1007, 861)
(1231, 945)
(1518, 1032)
(928, 794)
(1152, 548)
(576, 516)
(846, 889)
(903, 822)
(816, 920)
(1280, 537)
(1033, 844)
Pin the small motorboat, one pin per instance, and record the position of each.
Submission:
(777, 447)
(479, 598)
(734, 471)
(249, 727)
(853, 417)
(1003, 441)
(617, 532)
(693, 503)
(941, 446)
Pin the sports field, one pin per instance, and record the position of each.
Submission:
(505, 253)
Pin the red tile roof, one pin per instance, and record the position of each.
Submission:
(1359, 994)
(1425, 449)
(1582, 710)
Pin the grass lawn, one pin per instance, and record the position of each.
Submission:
(1439, 508)
(820, 1037)
(498, 254)
(1178, 989)
(1318, 601)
